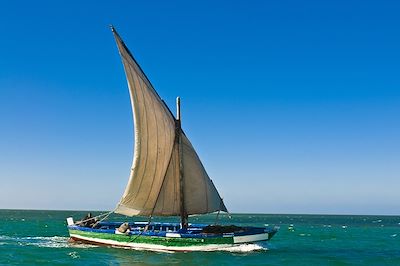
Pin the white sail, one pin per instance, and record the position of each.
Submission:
(154, 183)
(201, 196)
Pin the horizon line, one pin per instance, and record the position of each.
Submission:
(251, 213)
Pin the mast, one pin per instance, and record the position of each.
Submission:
(183, 213)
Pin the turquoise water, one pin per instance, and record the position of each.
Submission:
(40, 237)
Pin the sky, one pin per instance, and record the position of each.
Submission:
(292, 106)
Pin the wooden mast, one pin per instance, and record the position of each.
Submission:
(184, 216)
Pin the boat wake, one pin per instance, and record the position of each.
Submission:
(242, 248)
(63, 242)
(41, 241)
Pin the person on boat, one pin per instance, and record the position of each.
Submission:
(124, 228)
(88, 220)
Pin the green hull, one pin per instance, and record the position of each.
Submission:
(155, 240)
(160, 243)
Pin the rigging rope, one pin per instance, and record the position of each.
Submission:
(102, 219)
(95, 217)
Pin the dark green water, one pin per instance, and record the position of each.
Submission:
(40, 237)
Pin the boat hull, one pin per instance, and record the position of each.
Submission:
(168, 241)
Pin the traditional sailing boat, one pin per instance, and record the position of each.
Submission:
(167, 179)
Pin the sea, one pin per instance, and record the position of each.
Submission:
(39, 237)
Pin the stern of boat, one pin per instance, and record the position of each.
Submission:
(254, 234)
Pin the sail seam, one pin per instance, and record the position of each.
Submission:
(176, 201)
(145, 159)
(164, 178)
(156, 159)
(166, 171)
(138, 144)
(147, 142)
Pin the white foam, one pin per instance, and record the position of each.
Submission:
(43, 241)
(5, 237)
(48, 242)
(74, 255)
(243, 248)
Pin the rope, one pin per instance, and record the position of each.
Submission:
(105, 217)
(108, 214)
(82, 221)
(102, 219)
(144, 229)
(95, 217)
(216, 218)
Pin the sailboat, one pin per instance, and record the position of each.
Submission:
(167, 179)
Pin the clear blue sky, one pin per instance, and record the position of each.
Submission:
(293, 106)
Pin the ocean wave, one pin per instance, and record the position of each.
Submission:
(242, 248)
(239, 248)
(42, 241)
(48, 242)
(74, 255)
